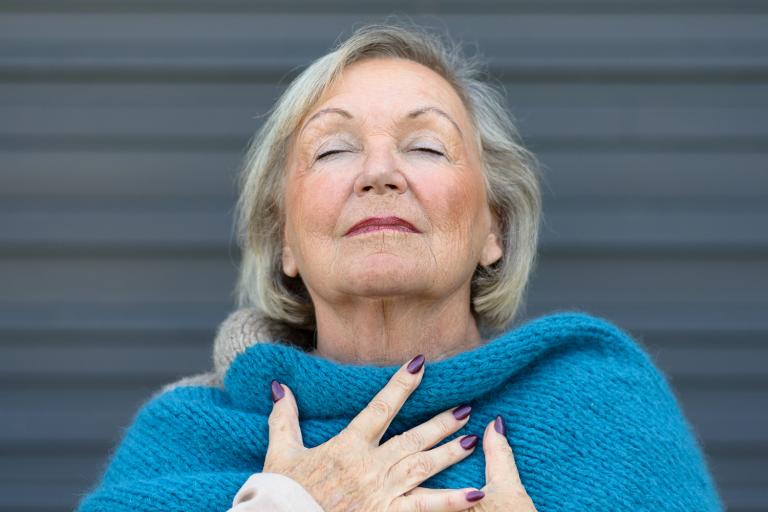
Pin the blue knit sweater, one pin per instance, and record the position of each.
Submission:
(593, 424)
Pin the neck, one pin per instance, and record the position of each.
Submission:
(392, 330)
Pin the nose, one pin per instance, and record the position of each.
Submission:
(380, 174)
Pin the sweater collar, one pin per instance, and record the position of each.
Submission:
(249, 358)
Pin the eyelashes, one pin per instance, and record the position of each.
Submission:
(327, 153)
(429, 151)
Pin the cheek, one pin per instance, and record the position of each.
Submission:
(452, 207)
(316, 204)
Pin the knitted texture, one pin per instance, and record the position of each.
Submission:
(593, 424)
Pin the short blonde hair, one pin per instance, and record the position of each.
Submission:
(510, 172)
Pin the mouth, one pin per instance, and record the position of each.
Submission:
(372, 224)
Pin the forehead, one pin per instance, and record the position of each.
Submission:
(383, 88)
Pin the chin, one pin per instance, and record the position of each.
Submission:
(382, 279)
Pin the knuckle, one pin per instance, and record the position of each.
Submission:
(380, 407)
(412, 440)
(403, 383)
(444, 428)
(420, 504)
(422, 467)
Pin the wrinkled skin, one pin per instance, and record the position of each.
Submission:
(382, 296)
(370, 290)
(352, 472)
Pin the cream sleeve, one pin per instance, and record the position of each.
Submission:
(273, 492)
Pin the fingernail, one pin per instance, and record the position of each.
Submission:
(416, 363)
(468, 442)
(474, 495)
(277, 391)
(461, 411)
(498, 424)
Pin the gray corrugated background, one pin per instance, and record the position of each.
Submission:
(122, 125)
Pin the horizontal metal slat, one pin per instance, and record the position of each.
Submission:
(96, 317)
(237, 123)
(344, 6)
(293, 29)
(236, 43)
(255, 95)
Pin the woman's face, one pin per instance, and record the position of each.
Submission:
(391, 138)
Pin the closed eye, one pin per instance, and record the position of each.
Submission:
(425, 150)
(331, 152)
(429, 150)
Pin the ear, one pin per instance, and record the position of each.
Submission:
(492, 249)
(289, 262)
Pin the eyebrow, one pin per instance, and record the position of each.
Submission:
(410, 115)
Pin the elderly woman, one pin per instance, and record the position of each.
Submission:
(388, 219)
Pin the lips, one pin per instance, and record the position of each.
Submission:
(373, 222)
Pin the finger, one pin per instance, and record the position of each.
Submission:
(414, 469)
(500, 463)
(284, 429)
(419, 490)
(426, 435)
(372, 422)
(437, 500)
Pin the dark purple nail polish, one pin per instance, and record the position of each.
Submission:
(468, 442)
(498, 424)
(474, 495)
(277, 391)
(416, 363)
(462, 411)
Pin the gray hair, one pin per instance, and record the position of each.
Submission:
(510, 172)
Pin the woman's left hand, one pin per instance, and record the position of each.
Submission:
(503, 489)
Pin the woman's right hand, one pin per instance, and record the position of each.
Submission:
(353, 472)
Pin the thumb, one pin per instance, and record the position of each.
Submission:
(284, 429)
